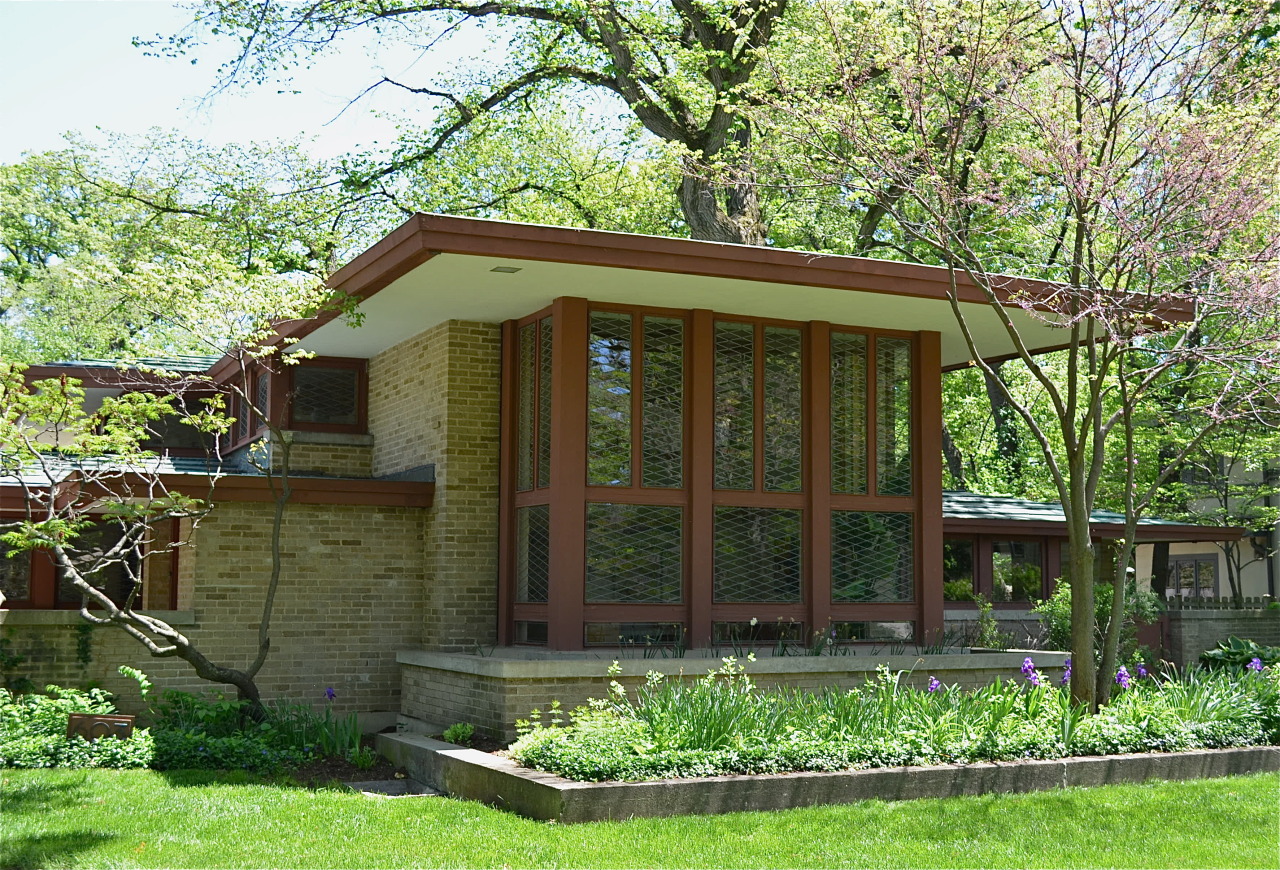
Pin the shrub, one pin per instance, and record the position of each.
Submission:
(194, 750)
(33, 732)
(1140, 605)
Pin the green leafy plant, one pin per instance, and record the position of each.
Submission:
(1140, 605)
(459, 733)
(33, 732)
(722, 723)
(1239, 653)
(989, 634)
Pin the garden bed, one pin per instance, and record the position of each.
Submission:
(473, 775)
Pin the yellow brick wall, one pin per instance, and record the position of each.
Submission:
(434, 399)
(339, 460)
(350, 598)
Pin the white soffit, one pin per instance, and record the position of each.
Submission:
(463, 287)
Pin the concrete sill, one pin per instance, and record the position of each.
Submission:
(473, 775)
(72, 617)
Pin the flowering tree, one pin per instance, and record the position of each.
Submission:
(1125, 151)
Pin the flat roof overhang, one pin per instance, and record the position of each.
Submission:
(1147, 533)
(435, 268)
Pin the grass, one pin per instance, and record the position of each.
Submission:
(133, 818)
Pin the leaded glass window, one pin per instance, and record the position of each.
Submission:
(634, 553)
(893, 416)
(783, 411)
(533, 553)
(609, 400)
(848, 413)
(872, 557)
(735, 405)
(662, 433)
(757, 554)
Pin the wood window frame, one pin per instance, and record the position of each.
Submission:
(283, 382)
(567, 611)
(44, 580)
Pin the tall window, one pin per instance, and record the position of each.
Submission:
(696, 500)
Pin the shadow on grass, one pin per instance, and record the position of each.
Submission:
(40, 796)
(48, 850)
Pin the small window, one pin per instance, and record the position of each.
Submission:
(957, 569)
(1192, 577)
(328, 395)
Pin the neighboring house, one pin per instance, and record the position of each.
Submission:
(1012, 551)
(548, 437)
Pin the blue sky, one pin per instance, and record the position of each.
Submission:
(70, 65)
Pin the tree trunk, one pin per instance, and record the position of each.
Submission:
(1008, 442)
(955, 460)
(708, 220)
(1115, 620)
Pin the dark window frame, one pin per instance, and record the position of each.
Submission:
(43, 592)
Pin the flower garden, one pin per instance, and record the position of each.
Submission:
(723, 723)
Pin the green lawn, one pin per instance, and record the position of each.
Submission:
(147, 819)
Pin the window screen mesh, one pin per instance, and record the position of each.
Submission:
(662, 434)
(634, 553)
(871, 557)
(757, 554)
(326, 395)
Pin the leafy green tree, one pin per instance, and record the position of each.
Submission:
(140, 248)
(1125, 152)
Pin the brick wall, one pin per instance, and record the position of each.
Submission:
(350, 599)
(1191, 631)
(434, 399)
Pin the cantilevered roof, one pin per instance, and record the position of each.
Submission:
(970, 512)
(435, 268)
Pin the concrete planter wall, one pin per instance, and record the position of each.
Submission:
(492, 692)
(473, 775)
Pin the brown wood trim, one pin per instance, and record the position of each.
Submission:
(615, 612)
(361, 368)
(637, 495)
(700, 471)
(764, 611)
(316, 490)
(954, 526)
(568, 473)
(884, 503)
(509, 440)
(817, 457)
(877, 613)
(927, 465)
(175, 535)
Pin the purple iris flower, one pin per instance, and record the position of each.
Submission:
(1255, 664)
(1066, 675)
(1122, 677)
(330, 693)
(934, 685)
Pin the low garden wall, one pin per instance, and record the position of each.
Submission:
(473, 775)
(491, 692)
(1195, 627)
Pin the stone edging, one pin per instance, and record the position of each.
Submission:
(474, 775)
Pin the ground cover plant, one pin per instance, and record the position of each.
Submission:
(188, 732)
(723, 724)
(140, 818)
(33, 732)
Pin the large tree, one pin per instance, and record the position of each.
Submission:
(1128, 152)
(113, 251)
